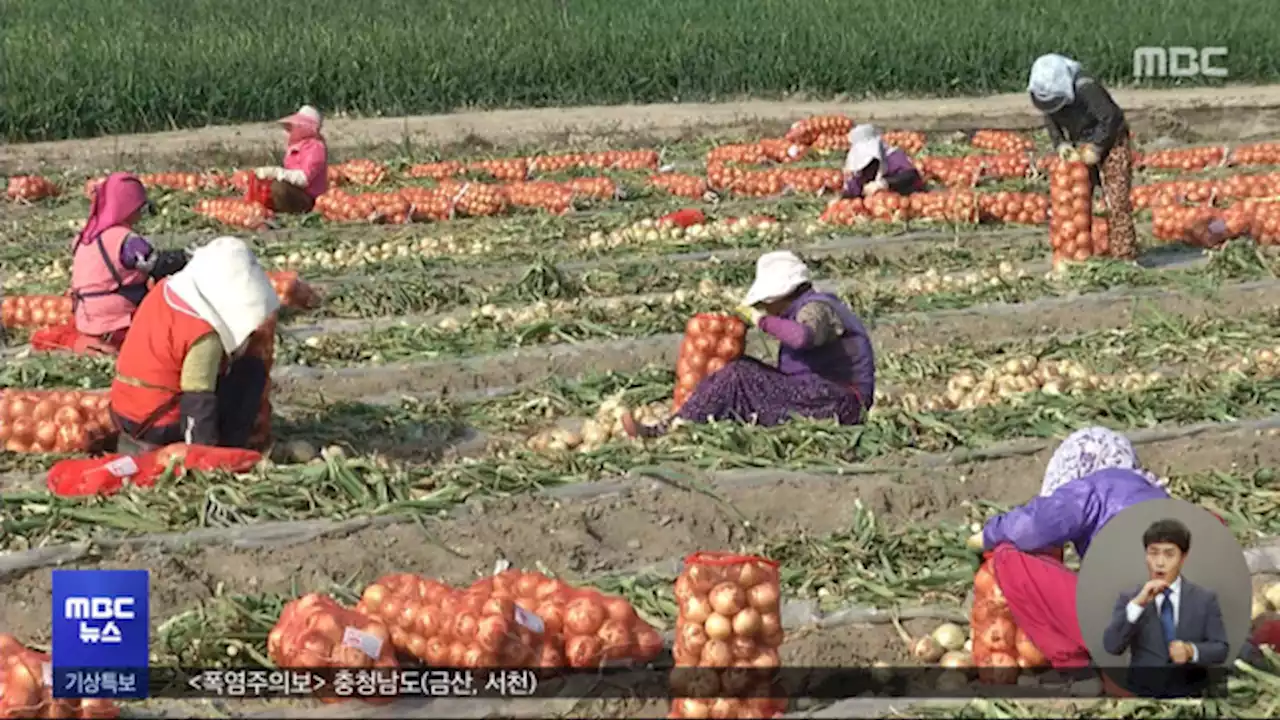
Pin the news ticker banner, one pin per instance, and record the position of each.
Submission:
(654, 683)
(101, 649)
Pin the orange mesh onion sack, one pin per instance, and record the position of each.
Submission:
(1070, 212)
(314, 631)
(25, 690)
(710, 342)
(729, 617)
(262, 345)
(1000, 648)
(445, 627)
(582, 627)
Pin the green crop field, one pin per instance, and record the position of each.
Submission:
(75, 68)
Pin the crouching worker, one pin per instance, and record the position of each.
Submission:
(112, 266)
(873, 167)
(1093, 476)
(826, 365)
(304, 177)
(182, 375)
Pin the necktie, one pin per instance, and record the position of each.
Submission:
(1166, 617)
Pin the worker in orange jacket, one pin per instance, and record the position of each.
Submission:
(182, 375)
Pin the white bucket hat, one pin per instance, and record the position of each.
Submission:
(777, 275)
(865, 145)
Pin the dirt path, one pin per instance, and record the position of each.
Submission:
(1240, 112)
(899, 333)
(632, 524)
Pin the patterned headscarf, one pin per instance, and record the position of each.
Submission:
(1087, 451)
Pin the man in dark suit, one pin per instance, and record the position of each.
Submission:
(1171, 627)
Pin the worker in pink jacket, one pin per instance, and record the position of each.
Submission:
(304, 177)
(112, 266)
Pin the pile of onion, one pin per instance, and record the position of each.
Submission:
(437, 170)
(710, 342)
(845, 211)
(1070, 213)
(34, 311)
(505, 170)
(471, 199)
(582, 627)
(1002, 141)
(30, 188)
(359, 172)
(955, 206)
(1014, 207)
(680, 185)
(1267, 153)
(444, 627)
(728, 620)
(314, 631)
(806, 131)
(890, 207)
(603, 160)
(235, 212)
(25, 690)
(63, 421)
(1184, 159)
(1000, 649)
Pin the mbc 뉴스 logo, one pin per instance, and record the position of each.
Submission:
(1177, 62)
(98, 616)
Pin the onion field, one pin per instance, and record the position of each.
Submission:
(461, 334)
(165, 66)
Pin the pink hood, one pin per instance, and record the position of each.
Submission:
(118, 197)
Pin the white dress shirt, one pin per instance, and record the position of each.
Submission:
(1133, 611)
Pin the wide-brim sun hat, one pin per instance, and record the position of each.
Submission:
(865, 145)
(778, 274)
(306, 116)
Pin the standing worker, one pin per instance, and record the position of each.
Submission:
(1078, 109)
(170, 383)
(826, 366)
(873, 167)
(111, 265)
(304, 177)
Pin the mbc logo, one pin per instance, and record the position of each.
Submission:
(1177, 62)
(109, 609)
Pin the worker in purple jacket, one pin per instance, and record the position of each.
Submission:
(873, 167)
(1093, 476)
(826, 366)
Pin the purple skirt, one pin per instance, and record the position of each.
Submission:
(747, 390)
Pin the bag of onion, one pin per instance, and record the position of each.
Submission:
(445, 627)
(710, 342)
(1000, 648)
(26, 692)
(582, 628)
(729, 618)
(43, 421)
(1070, 213)
(314, 631)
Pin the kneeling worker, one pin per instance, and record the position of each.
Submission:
(182, 375)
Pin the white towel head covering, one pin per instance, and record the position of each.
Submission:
(865, 145)
(1053, 82)
(777, 275)
(226, 286)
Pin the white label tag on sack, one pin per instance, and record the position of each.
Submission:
(529, 620)
(367, 643)
(46, 674)
(122, 467)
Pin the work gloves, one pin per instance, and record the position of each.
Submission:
(750, 314)
(297, 178)
(874, 187)
(1067, 153)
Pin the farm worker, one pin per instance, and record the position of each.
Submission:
(304, 177)
(182, 375)
(1092, 477)
(1078, 109)
(111, 266)
(873, 167)
(826, 366)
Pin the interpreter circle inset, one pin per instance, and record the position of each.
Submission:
(1134, 568)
